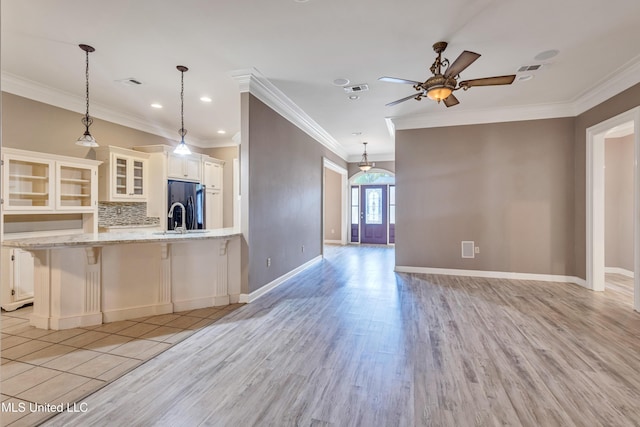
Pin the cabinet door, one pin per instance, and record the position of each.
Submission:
(27, 184)
(212, 175)
(192, 168)
(213, 200)
(119, 176)
(21, 274)
(128, 175)
(75, 186)
(175, 169)
(137, 184)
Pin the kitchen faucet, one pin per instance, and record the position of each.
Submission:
(183, 227)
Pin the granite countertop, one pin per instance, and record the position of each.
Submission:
(125, 226)
(117, 238)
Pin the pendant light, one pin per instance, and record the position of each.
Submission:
(87, 140)
(182, 147)
(364, 164)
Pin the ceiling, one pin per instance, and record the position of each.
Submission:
(302, 47)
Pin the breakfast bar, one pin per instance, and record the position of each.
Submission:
(93, 278)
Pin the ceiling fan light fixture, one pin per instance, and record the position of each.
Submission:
(439, 93)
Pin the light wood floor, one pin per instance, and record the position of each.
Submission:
(349, 343)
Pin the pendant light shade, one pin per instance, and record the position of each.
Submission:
(182, 147)
(87, 140)
(364, 164)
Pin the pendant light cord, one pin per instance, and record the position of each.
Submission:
(87, 83)
(182, 131)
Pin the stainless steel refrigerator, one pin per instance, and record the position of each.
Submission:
(192, 197)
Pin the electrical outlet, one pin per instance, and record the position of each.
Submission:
(477, 249)
(119, 210)
(268, 262)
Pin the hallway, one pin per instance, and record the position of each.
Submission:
(348, 342)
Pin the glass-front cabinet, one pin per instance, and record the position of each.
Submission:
(123, 175)
(28, 183)
(76, 187)
(34, 182)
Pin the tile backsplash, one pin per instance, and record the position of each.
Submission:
(124, 213)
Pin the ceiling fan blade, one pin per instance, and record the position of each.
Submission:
(391, 104)
(451, 100)
(489, 81)
(465, 59)
(397, 80)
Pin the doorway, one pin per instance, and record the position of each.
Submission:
(595, 198)
(373, 208)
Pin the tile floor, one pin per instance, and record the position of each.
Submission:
(42, 367)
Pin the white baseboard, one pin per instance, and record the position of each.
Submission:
(135, 312)
(333, 242)
(617, 270)
(246, 298)
(58, 323)
(493, 274)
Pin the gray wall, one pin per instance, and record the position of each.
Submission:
(35, 126)
(332, 205)
(619, 161)
(507, 186)
(284, 194)
(615, 105)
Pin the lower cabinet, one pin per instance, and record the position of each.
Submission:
(17, 278)
(213, 209)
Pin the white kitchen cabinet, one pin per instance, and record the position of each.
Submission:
(184, 167)
(123, 175)
(213, 209)
(212, 178)
(76, 187)
(17, 278)
(41, 182)
(27, 183)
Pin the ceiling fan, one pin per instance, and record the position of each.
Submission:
(440, 86)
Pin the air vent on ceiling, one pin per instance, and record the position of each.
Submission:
(130, 81)
(356, 88)
(534, 67)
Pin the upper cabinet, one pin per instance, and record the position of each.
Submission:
(35, 182)
(123, 174)
(212, 175)
(188, 168)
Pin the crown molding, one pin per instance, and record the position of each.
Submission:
(30, 89)
(253, 81)
(617, 81)
(489, 115)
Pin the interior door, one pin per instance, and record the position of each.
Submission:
(373, 214)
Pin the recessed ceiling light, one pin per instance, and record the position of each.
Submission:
(525, 77)
(156, 105)
(354, 97)
(356, 133)
(222, 132)
(205, 99)
(547, 54)
(341, 82)
(301, 1)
